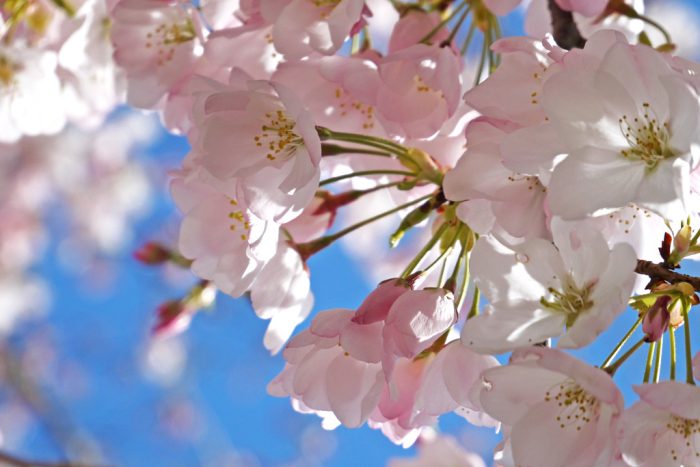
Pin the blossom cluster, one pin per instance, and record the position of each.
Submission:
(557, 189)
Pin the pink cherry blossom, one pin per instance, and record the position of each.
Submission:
(413, 26)
(537, 290)
(661, 429)
(628, 132)
(416, 319)
(515, 201)
(334, 367)
(276, 150)
(561, 410)
(377, 304)
(156, 43)
(281, 293)
(228, 244)
(420, 89)
(302, 27)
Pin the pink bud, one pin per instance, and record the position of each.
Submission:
(172, 318)
(377, 304)
(682, 239)
(656, 319)
(152, 253)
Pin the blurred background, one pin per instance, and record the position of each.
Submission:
(80, 374)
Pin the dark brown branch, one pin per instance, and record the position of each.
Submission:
(564, 28)
(11, 460)
(658, 271)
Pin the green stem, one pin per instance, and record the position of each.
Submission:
(656, 25)
(328, 149)
(441, 277)
(441, 24)
(364, 173)
(424, 251)
(451, 282)
(482, 61)
(672, 341)
(310, 248)
(622, 342)
(614, 367)
(381, 143)
(443, 254)
(688, 350)
(465, 281)
(474, 309)
(647, 368)
(456, 27)
(657, 358)
(468, 39)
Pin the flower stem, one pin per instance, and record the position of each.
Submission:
(622, 342)
(441, 24)
(443, 254)
(465, 280)
(468, 40)
(329, 149)
(307, 249)
(647, 368)
(672, 341)
(364, 173)
(614, 367)
(474, 309)
(482, 61)
(657, 358)
(656, 25)
(688, 350)
(424, 251)
(373, 141)
(456, 28)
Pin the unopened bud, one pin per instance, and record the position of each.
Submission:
(656, 319)
(152, 253)
(682, 239)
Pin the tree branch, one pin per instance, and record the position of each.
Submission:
(564, 27)
(658, 271)
(14, 461)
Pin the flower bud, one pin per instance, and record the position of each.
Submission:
(656, 319)
(682, 239)
(152, 253)
(377, 304)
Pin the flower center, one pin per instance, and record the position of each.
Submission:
(571, 300)
(166, 37)
(345, 104)
(576, 406)
(648, 139)
(688, 429)
(277, 136)
(8, 69)
(239, 222)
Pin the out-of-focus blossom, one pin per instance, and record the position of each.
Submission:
(439, 450)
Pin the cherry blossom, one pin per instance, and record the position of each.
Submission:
(662, 428)
(580, 285)
(227, 243)
(277, 155)
(545, 395)
(156, 43)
